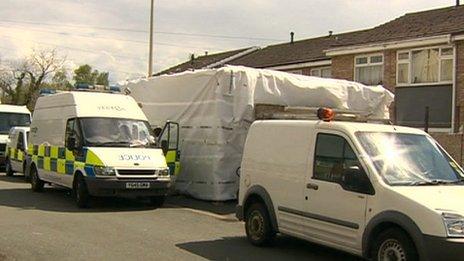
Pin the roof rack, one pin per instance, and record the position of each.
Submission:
(280, 112)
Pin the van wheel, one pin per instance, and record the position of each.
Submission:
(394, 244)
(37, 184)
(81, 193)
(9, 171)
(258, 225)
(157, 201)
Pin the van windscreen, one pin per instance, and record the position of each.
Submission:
(409, 159)
(9, 120)
(115, 132)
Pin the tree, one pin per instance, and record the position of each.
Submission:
(102, 78)
(22, 79)
(59, 81)
(84, 74)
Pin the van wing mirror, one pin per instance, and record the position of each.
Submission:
(355, 179)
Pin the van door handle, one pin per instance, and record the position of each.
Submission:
(312, 186)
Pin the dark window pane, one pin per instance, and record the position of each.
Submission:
(412, 101)
(330, 146)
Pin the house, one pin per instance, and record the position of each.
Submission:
(418, 56)
(305, 57)
(209, 60)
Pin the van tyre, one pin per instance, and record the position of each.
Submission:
(157, 201)
(258, 225)
(9, 171)
(394, 244)
(37, 184)
(81, 192)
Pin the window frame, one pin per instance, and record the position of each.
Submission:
(20, 137)
(368, 64)
(66, 135)
(319, 70)
(295, 71)
(409, 62)
(349, 142)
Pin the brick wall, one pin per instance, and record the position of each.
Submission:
(452, 144)
(459, 119)
(343, 67)
(389, 70)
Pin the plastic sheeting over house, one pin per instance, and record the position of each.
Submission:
(215, 109)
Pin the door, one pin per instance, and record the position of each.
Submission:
(168, 140)
(20, 152)
(336, 193)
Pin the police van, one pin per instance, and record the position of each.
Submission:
(97, 144)
(379, 191)
(16, 150)
(11, 116)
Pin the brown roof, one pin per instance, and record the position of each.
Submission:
(201, 61)
(435, 22)
(290, 53)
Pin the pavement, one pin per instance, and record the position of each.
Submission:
(48, 226)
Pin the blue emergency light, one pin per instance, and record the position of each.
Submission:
(83, 86)
(43, 92)
(114, 88)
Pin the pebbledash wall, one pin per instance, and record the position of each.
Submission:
(453, 139)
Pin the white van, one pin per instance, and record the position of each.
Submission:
(16, 150)
(98, 144)
(11, 116)
(382, 192)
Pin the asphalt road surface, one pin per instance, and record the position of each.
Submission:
(48, 226)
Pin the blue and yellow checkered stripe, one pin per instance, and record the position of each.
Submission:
(15, 154)
(172, 159)
(63, 161)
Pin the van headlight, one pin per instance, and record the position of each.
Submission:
(163, 172)
(104, 171)
(454, 224)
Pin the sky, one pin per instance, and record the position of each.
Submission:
(112, 35)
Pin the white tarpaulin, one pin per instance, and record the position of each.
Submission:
(215, 109)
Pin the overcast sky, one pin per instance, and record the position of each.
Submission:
(112, 35)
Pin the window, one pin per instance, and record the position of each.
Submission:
(421, 66)
(369, 69)
(73, 130)
(295, 71)
(411, 104)
(333, 156)
(20, 144)
(324, 72)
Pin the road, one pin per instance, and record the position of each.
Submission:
(48, 226)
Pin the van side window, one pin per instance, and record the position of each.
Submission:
(72, 130)
(20, 144)
(333, 156)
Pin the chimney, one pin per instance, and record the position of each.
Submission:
(292, 36)
(206, 53)
(192, 57)
(330, 33)
(458, 3)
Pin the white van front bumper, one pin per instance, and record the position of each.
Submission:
(440, 248)
(109, 187)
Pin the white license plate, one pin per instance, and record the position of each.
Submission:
(137, 185)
